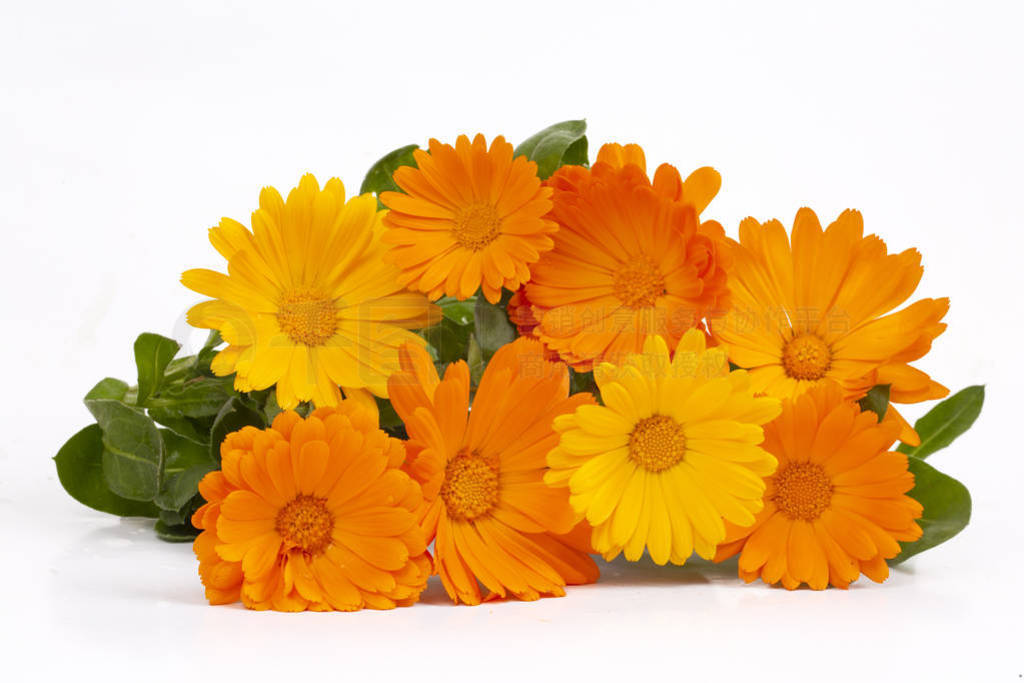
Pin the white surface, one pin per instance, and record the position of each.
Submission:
(127, 129)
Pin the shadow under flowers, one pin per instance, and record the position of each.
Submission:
(644, 572)
(621, 573)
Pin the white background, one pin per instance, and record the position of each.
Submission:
(128, 128)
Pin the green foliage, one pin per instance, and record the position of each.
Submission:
(152, 354)
(110, 388)
(80, 470)
(583, 382)
(946, 502)
(947, 508)
(876, 400)
(196, 397)
(555, 146)
(475, 360)
(271, 408)
(196, 429)
(459, 312)
(133, 452)
(449, 339)
(493, 329)
(946, 421)
(231, 417)
(178, 533)
(186, 463)
(203, 359)
(389, 420)
(152, 443)
(378, 178)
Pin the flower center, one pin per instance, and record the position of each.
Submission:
(307, 318)
(657, 443)
(470, 487)
(306, 523)
(806, 357)
(639, 283)
(802, 490)
(476, 226)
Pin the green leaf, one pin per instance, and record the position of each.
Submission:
(179, 369)
(195, 429)
(185, 464)
(390, 422)
(557, 145)
(111, 388)
(133, 455)
(378, 178)
(172, 517)
(876, 400)
(152, 354)
(234, 415)
(183, 515)
(179, 488)
(180, 533)
(450, 340)
(475, 360)
(459, 312)
(183, 453)
(947, 508)
(133, 451)
(199, 397)
(388, 417)
(576, 154)
(202, 360)
(271, 409)
(580, 382)
(946, 421)
(80, 470)
(213, 340)
(493, 329)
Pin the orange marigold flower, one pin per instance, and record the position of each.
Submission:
(813, 307)
(312, 514)
(836, 507)
(491, 517)
(630, 258)
(470, 218)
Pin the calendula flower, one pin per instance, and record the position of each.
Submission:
(836, 507)
(308, 304)
(814, 308)
(491, 517)
(671, 455)
(470, 218)
(312, 514)
(631, 258)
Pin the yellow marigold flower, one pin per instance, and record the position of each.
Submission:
(470, 218)
(813, 308)
(312, 514)
(491, 517)
(837, 505)
(671, 454)
(307, 303)
(631, 258)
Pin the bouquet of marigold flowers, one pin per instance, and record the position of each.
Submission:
(494, 363)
